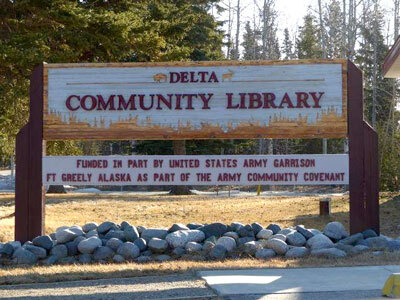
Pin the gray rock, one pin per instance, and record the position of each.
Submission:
(147, 253)
(179, 251)
(176, 227)
(59, 250)
(278, 236)
(131, 233)
(246, 232)
(114, 243)
(256, 228)
(77, 230)
(85, 258)
(265, 234)
(92, 233)
(343, 247)
(359, 249)
(73, 246)
(315, 231)
(65, 235)
(24, 257)
(89, 245)
(295, 239)
(193, 247)
(62, 228)
(274, 227)
(335, 230)
(214, 229)
(369, 233)
(193, 226)
(118, 234)
(162, 258)
(376, 242)
(232, 234)
(51, 260)
(297, 252)
(15, 244)
(158, 245)
(181, 237)
(244, 240)
(304, 231)
(53, 236)
(227, 242)
(89, 227)
(143, 259)
(279, 246)
(106, 226)
(352, 239)
(286, 231)
(377, 253)
(141, 244)
(319, 241)
(124, 224)
(69, 260)
(128, 250)
(118, 258)
(393, 245)
(236, 226)
(265, 253)
(218, 252)
(251, 247)
(328, 252)
(38, 251)
(211, 239)
(140, 229)
(207, 246)
(7, 250)
(43, 241)
(150, 233)
(103, 253)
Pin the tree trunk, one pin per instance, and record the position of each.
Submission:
(56, 189)
(180, 149)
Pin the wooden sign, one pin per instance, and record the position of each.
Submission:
(305, 169)
(301, 99)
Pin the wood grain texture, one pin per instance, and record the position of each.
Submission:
(249, 76)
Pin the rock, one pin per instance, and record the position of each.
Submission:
(393, 245)
(85, 258)
(369, 233)
(335, 230)
(181, 237)
(65, 235)
(103, 253)
(176, 227)
(319, 241)
(278, 236)
(328, 252)
(131, 233)
(297, 252)
(218, 252)
(106, 226)
(147, 253)
(215, 229)
(118, 258)
(158, 245)
(343, 247)
(227, 242)
(7, 250)
(77, 230)
(53, 236)
(279, 246)
(244, 240)
(265, 253)
(295, 239)
(43, 241)
(118, 234)
(51, 260)
(59, 250)
(286, 231)
(69, 260)
(207, 246)
(150, 233)
(103, 241)
(124, 224)
(89, 245)
(89, 227)
(92, 233)
(140, 229)
(315, 231)
(236, 226)
(38, 251)
(179, 251)
(246, 232)
(128, 250)
(377, 253)
(141, 244)
(251, 247)
(376, 242)
(114, 243)
(256, 228)
(24, 257)
(15, 244)
(73, 246)
(162, 258)
(352, 239)
(359, 249)
(193, 226)
(232, 234)
(211, 239)
(143, 259)
(264, 234)
(304, 231)
(274, 227)
(62, 228)
(193, 247)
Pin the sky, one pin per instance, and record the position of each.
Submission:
(290, 12)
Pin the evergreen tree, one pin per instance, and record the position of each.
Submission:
(250, 44)
(307, 43)
(287, 47)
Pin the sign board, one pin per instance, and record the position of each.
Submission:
(302, 99)
(319, 169)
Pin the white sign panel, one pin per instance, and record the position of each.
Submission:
(197, 170)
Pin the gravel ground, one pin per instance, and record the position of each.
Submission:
(151, 287)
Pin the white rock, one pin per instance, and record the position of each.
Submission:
(279, 246)
(65, 235)
(335, 230)
(265, 234)
(227, 242)
(319, 241)
(181, 237)
(193, 247)
(89, 245)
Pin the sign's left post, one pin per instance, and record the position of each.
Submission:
(30, 148)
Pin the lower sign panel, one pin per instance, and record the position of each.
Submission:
(307, 169)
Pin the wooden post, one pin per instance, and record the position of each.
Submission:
(30, 147)
(325, 207)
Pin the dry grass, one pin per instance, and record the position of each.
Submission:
(162, 211)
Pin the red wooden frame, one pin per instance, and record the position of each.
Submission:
(363, 163)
